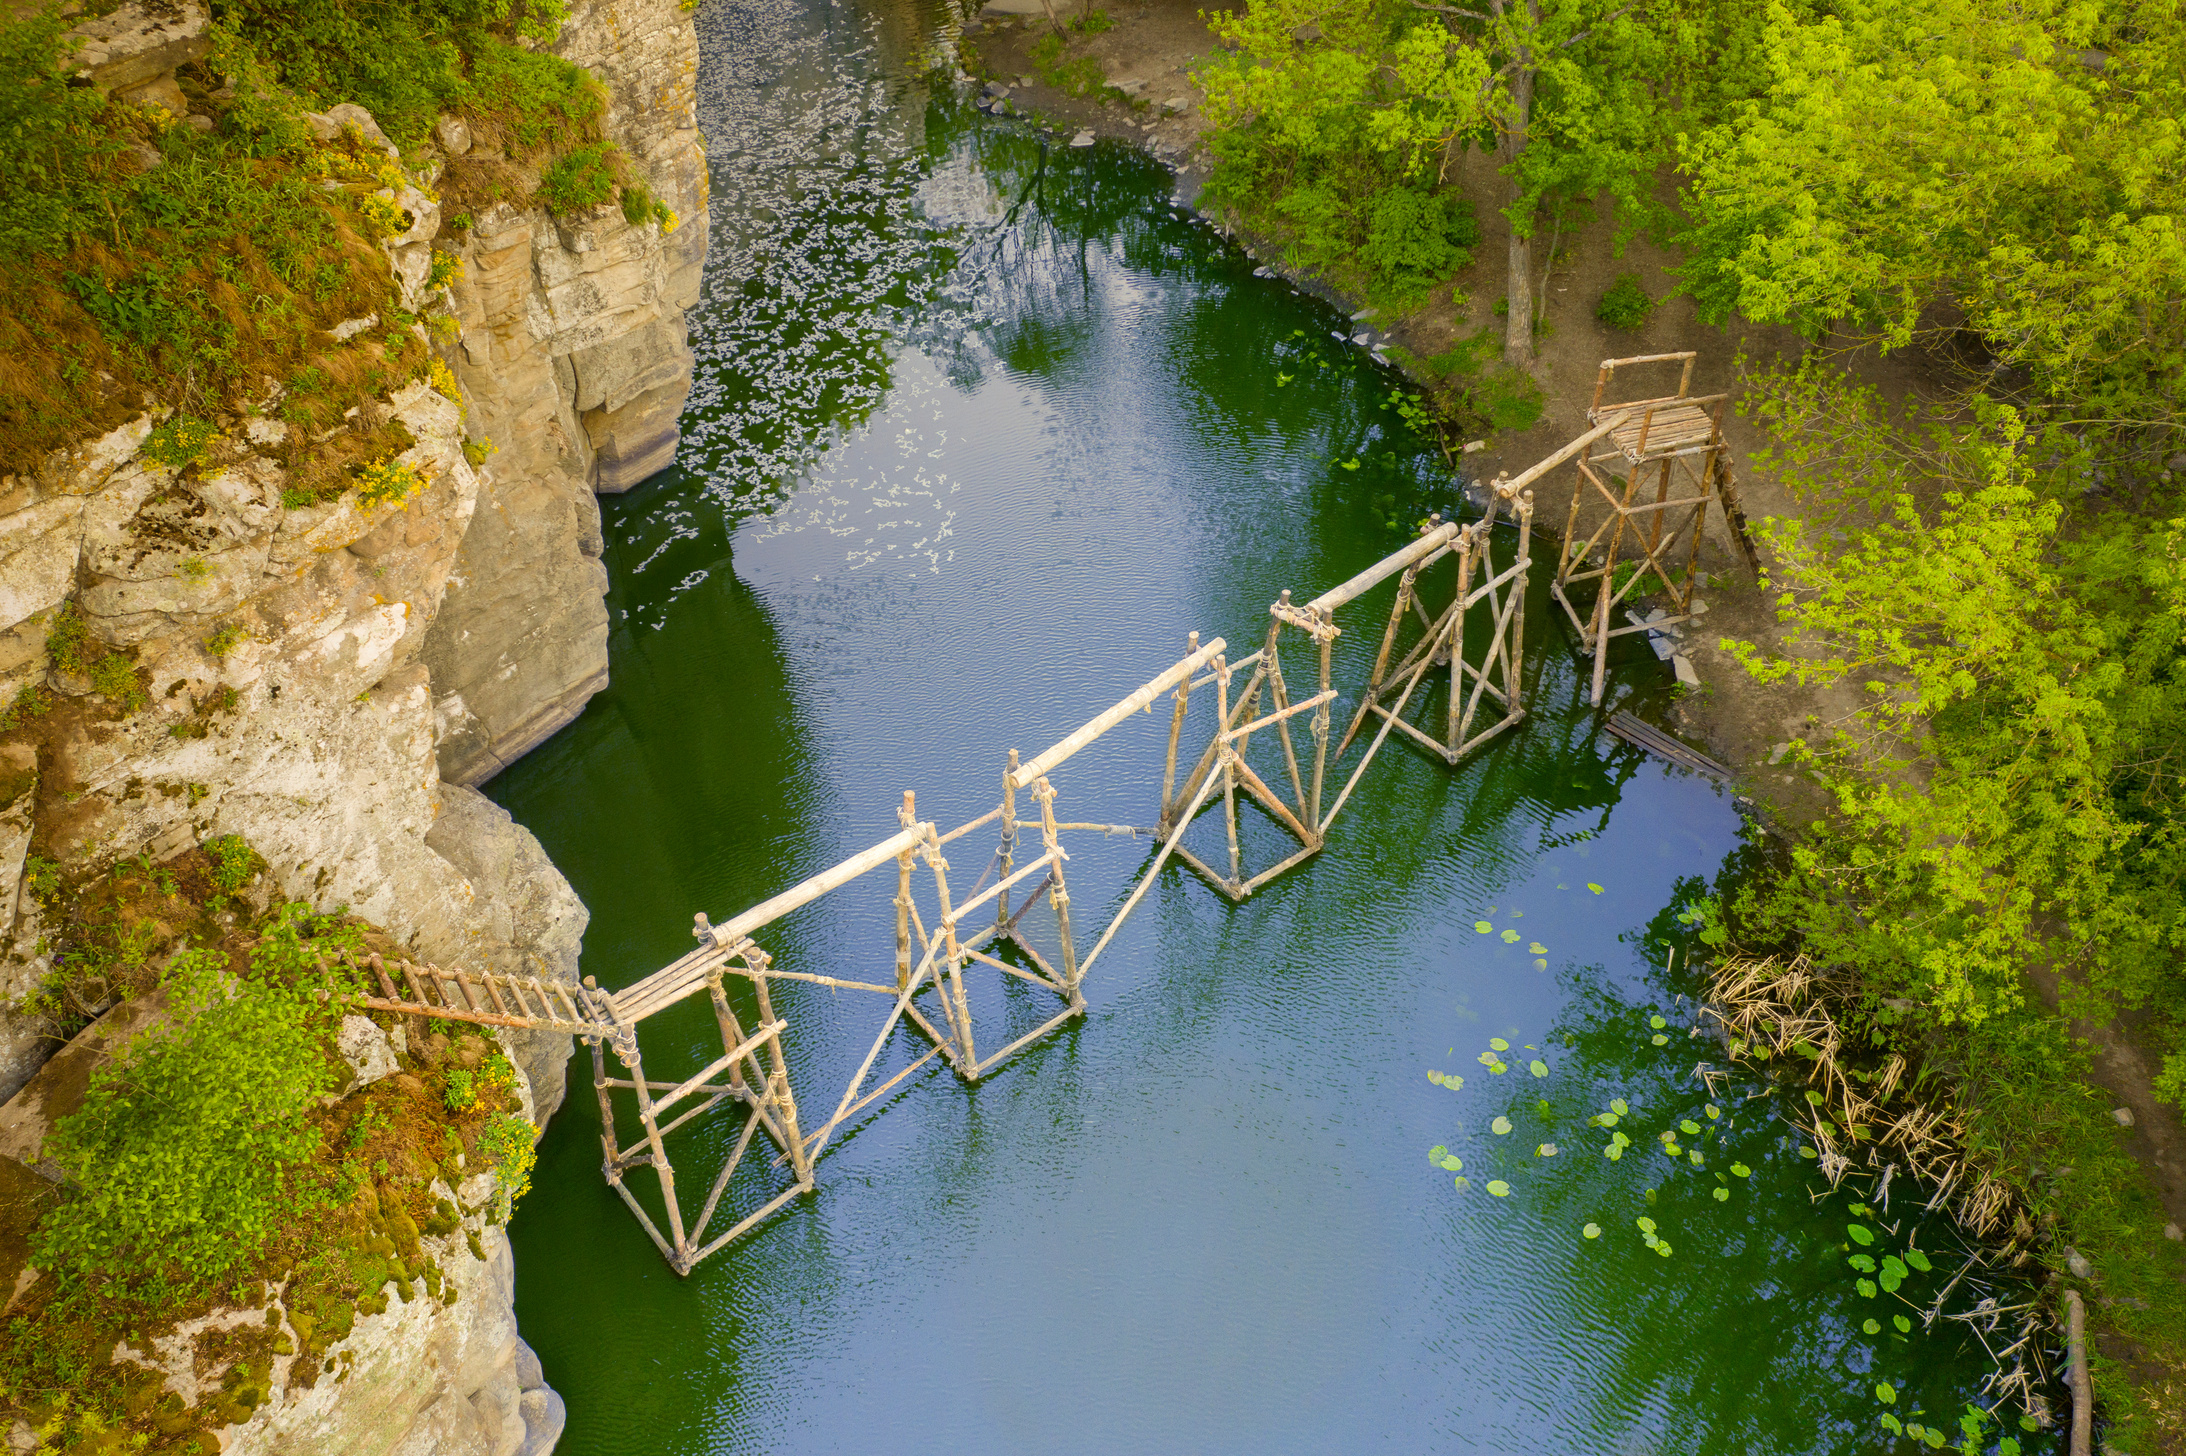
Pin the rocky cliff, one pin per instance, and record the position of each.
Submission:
(324, 669)
(575, 364)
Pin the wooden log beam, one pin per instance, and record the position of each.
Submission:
(1426, 546)
(1137, 702)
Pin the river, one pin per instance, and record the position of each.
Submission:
(982, 429)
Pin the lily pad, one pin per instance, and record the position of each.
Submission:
(1452, 1163)
(1886, 1393)
(1463, 1182)
(1918, 1260)
(1689, 1127)
(1483, 927)
(1740, 1170)
(1510, 937)
(1496, 1043)
(1713, 1112)
(1436, 1154)
(1434, 1077)
(1860, 1233)
(1644, 1224)
(1617, 1105)
(1905, 1326)
(1659, 1039)
(1614, 1152)
(1546, 1150)
(1499, 1188)
(1597, 889)
(1863, 1262)
(1500, 1126)
(1536, 948)
(1866, 1288)
(1870, 1327)
(1540, 964)
(1657, 1022)
(1591, 1231)
(1722, 1195)
(1538, 1067)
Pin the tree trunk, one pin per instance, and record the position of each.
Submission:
(1518, 326)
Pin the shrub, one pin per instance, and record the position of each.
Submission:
(186, 1152)
(30, 702)
(114, 675)
(1626, 304)
(447, 267)
(1415, 239)
(383, 214)
(385, 482)
(178, 441)
(476, 450)
(234, 862)
(582, 180)
(225, 639)
(469, 1091)
(443, 379)
(506, 1142)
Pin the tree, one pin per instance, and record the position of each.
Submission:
(1576, 97)
(2015, 160)
(1573, 93)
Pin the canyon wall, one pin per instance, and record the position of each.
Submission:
(575, 364)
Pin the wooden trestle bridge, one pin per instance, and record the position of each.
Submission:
(947, 937)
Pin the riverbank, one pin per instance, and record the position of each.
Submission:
(2093, 1177)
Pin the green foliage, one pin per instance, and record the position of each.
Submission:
(114, 675)
(405, 64)
(1092, 22)
(537, 99)
(178, 441)
(2016, 161)
(480, 1090)
(225, 639)
(387, 482)
(582, 180)
(186, 1152)
(1625, 305)
(51, 140)
(2004, 792)
(42, 879)
(1570, 93)
(1074, 76)
(234, 862)
(31, 703)
(506, 1141)
(1414, 239)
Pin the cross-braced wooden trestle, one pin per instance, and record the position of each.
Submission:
(956, 950)
(1673, 445)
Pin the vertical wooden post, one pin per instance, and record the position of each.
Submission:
(1602, 602)
(1320, 726)
(628, 1052)
(906, 816)
(1058, 894)
(1007, 854)
(951, 981)
(1228, 757)
(1279, 697)
(1472, 544)
(1176, 728)
(778, 1088)
(1515, 658)
(609, 1152)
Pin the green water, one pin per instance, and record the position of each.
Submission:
(981, 430)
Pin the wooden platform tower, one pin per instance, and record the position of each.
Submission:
(1657, 463)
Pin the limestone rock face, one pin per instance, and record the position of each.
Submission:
(526, 905)
(575, 362)
(313, 735)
